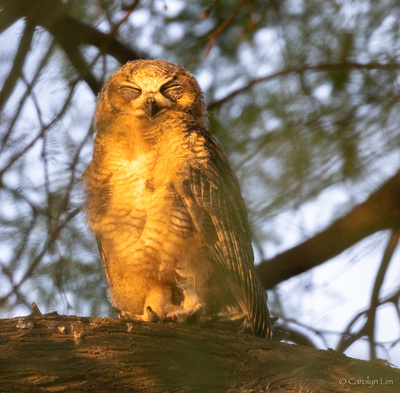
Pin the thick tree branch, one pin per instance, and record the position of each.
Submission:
(68, 353)
(379, 212)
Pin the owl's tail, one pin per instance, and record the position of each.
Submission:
(256, 308)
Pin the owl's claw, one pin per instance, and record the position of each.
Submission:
(174, 318)
(151, 315)
(181, 315)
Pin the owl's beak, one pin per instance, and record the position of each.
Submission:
(152, 107)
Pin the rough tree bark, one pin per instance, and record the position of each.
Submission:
(53, 353)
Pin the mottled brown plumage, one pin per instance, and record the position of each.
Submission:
(165, 205)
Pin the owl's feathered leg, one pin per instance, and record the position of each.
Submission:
(156, 304)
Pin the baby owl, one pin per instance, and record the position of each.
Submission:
(165, 205)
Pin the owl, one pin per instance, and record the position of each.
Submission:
(165, 205)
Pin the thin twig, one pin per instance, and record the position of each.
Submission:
(27, 93)
(208, 10)
(212, 37)
(348, 338)
(370, 324)
(302, 69)
(19, 61)
(114, 29)
(45, 249)
(44, 128)
(113, 32)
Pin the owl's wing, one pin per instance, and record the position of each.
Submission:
(215, 205)
(99, 190)
(103, 256)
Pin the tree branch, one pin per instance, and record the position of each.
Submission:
(19, 60)
(370, 324)
(348, 338)
(70, 33)
(301, 70)
(51, 239)
(379, 212)
(212, 37)
(69, 353)
(27, 93)
(10, 13)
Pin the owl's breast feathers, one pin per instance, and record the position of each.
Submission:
(127, 177)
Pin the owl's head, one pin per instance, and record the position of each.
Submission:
(151, 90)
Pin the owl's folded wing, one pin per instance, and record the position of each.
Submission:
(212, 197)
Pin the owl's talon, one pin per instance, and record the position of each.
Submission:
(182, 315)
(151, 315)
(170, 318)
